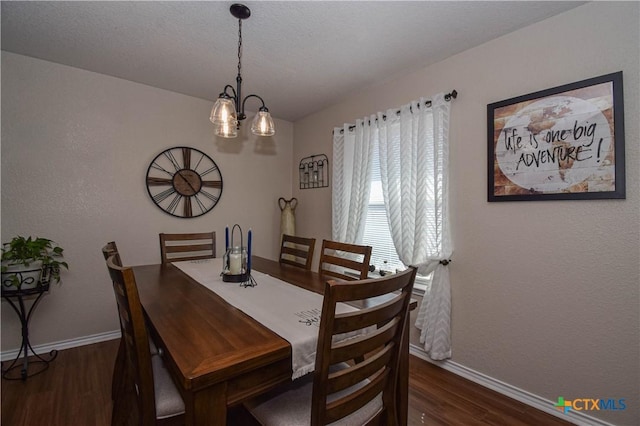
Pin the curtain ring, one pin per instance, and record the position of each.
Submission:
(445, 262)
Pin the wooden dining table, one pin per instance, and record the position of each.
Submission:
(219, 356)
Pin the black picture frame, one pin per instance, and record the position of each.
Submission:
(563, 143)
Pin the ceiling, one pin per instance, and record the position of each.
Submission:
(299, 56)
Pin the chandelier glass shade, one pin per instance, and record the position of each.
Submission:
(226, 130)
(224, 118)
(262, 124)
(228, 110)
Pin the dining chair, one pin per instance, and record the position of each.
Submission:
(157, 400)
(111, 249)
(195, 246)
(340, 390)
(297, 251)
(344, 261)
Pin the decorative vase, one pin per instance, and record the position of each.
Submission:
(288, 218)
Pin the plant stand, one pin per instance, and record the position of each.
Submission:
(16, 298)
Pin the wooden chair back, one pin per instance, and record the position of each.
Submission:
(117, 381)
(351, 388)
(195, 246)
(136, 338)
(297, 251)
(111, 249)
(344, 261)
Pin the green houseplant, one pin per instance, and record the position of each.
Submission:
(39, 255)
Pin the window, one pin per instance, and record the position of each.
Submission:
(414, 141)
(376, 230)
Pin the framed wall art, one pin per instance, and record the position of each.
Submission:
(564, 143)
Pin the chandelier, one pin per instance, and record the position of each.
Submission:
(228, 110)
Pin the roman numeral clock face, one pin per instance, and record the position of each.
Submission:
(184, 182)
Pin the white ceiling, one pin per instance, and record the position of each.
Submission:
(299, 56)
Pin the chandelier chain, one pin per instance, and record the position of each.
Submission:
(239, 46)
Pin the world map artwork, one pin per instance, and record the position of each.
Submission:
(562, 143)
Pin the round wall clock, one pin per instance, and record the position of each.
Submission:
(184, 182)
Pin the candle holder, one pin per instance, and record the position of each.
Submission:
(236, 263)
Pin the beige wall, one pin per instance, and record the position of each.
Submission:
(75, 150)
(545, 294)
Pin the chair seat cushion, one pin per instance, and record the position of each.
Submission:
(292, 406)
(169, 403)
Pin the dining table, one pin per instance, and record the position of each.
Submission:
(218, 355)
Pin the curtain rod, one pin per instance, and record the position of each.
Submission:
(447, 97)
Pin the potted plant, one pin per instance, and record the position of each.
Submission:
(26, 262)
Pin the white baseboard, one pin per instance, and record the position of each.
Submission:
(510, 391)
(64, 344)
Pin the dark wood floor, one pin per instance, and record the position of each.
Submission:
(75, 390)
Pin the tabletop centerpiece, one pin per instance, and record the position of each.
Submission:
(236, 262)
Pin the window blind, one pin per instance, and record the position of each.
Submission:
(377, 233)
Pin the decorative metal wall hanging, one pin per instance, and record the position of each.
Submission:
(314, 172)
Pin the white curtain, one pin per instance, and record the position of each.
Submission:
(414, 162)
(352, 156)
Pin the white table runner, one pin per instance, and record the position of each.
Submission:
(289, 311)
